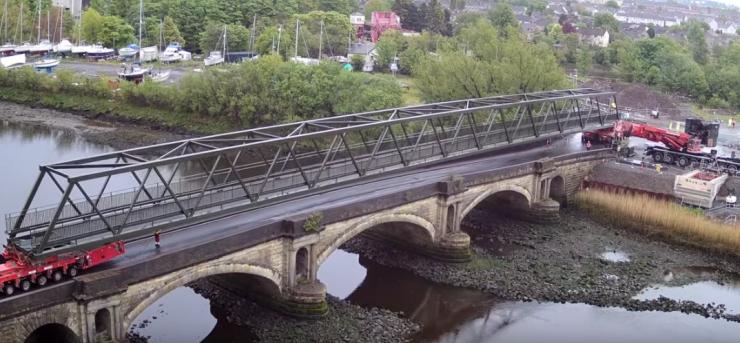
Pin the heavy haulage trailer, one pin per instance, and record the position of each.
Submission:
(681, 148)
(17, 271)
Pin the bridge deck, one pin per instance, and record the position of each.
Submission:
(245, 168)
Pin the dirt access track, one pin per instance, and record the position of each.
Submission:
(641, 98)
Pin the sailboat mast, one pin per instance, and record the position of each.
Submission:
(254, 32)
(321, 36)
(48, 25)
(38, 36)
(141, 23)
(224, 56)
(5, 21)
(297, 26)
(20, 26)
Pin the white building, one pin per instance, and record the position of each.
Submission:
(646, 19)
(74, 6)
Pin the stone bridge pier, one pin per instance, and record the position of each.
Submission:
(277, 264)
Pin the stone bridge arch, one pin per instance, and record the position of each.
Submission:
(486, 191)
(360, 225)
(156, 289)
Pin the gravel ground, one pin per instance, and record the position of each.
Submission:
(562, 263)
(116, 135)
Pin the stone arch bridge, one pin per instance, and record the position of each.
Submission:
(279, 258)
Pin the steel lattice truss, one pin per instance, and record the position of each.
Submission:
(190, 181)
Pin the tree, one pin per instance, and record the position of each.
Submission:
(336, 29)
(388, 47)
(697, 42)
(114, 32)
(434, 17)
(92, 25)
(237, 37)
(376, 6)
(409, 14)
(583, 64)
(502, 17)
(494, 64)
(612, 4)
(737, 32)
(651, 31)
(267, 41)
(606, 21)
(170, 32)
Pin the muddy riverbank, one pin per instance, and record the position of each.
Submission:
(115, 134)
(575, 261)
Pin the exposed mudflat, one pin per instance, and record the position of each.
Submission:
(344, 322)
(114, 134)
(565, 263)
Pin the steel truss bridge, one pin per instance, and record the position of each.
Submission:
(235, 171)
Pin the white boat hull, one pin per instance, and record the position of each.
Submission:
(47, 63)
(213, 61)
(13, 61)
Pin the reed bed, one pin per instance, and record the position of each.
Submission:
(659, 217)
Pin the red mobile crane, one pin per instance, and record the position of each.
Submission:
(17, 271)
(682, 148)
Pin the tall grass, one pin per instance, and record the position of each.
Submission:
(664, 218)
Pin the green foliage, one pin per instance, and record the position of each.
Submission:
(108, 30)
(336, 29)
(388, 47)
(607, 22)
(237, 38)
(585, 58)
(377, 6)
(267, 41)
(358, 61)
(697, 42)
(502, 17)
(170, 32)
(313, 222)
(612, 4)
(494, 64)
(92, 25)
(115, 32)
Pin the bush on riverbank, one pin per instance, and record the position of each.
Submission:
(661, 217)
(262, 92)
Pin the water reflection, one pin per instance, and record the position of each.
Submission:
(438, 308)
(579, 323)
(703, 292)
(24, 148)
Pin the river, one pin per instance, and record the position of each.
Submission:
(447, 314)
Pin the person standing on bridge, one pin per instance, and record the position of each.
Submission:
(588, 145)
(156, 239)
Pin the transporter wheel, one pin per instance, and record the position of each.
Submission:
(9, 289)
(72, 271)
(668, 159)
(57, 276)
(684, 161)
(658, 157)
(25, 285)
(41, 280)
